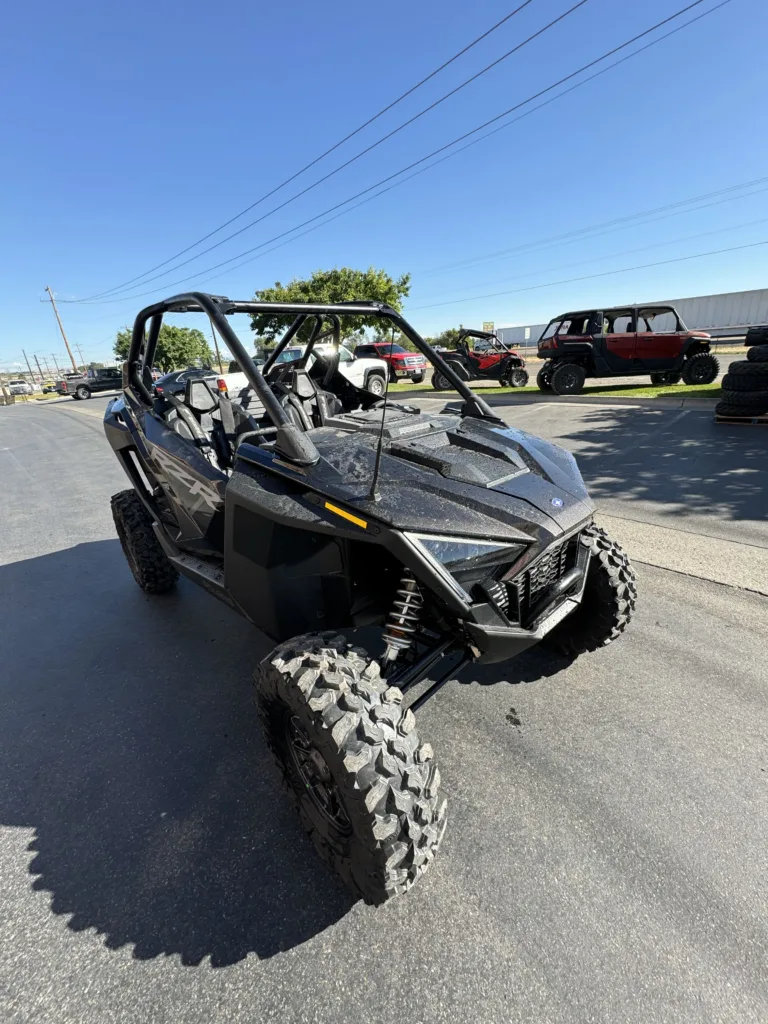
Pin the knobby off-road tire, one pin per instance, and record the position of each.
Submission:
(758, 354)
(320, 693)
(543, 379)
(518, 379)
(757, 401)
(567, 379)
(737, 411)
(701, 368)
(748, 368)
(146, 559)
(757, 336)
(665, 378)
(747, 381)
(610, 595)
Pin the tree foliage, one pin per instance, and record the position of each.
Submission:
(339, 285)
(446, 338)
(177, 347)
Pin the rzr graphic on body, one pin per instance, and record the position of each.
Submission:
(312, 506)
(625, 341)
(491, 359)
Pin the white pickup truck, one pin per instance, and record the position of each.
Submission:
(370, 374)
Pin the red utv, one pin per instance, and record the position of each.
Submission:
(627, 341)
(401, 362)
(488, 359)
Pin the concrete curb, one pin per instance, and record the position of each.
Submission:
(652, 403)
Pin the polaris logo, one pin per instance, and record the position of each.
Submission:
(557, 502)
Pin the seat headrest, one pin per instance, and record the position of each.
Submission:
(199, 397)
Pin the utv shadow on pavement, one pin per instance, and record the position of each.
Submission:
(130, 744)
(679, 464)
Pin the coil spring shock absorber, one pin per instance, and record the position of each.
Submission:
(403, 619)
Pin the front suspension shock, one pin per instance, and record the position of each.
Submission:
(403, 618)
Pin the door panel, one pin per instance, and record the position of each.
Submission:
(620, 350)
(657, 351)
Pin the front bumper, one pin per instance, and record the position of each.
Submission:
(495, 639)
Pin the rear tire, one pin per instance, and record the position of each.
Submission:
(146, 559)
(365, 789)
(82, 392)
(543, 379)
(567, 379)
(701, 368)
(608, 602)
(665, 378)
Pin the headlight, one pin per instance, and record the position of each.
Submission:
(462, 562)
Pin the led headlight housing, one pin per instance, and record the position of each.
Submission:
(464, 562)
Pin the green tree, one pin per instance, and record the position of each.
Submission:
(177, 347)
(446, 338)
(339, 285)
(95, 366)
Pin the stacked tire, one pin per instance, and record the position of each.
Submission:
(745, 386)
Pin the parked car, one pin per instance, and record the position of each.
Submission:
(48, 387)
(625, 341)
(19, 387)
(370, 374)
(81, 386)
(175, 382)
(400, 361)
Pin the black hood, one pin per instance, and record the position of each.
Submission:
(447, 474)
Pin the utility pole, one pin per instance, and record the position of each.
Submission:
(61, 328)
(81, 357)
(47, 368)
(38, 366)
(28, 366)
(216, 346)
(53, 357)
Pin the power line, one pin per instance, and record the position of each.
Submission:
(334, 147)
(441, 149)
(624, 252)
(357, 156)
(589, 277)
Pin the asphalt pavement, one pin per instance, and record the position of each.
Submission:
(606, 855)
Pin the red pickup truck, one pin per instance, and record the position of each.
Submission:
(401, 362)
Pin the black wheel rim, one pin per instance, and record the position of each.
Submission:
(570, 379)
(315, 776)
(700, 372)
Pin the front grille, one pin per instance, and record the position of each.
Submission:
(524, 590)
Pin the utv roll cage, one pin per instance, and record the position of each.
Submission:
(291, 441)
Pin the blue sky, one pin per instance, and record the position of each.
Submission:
(132, 130)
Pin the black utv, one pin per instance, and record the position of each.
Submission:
(378, 546)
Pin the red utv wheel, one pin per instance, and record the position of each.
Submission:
(518, 379)
(567, 379)
(701, 368)
(543, 379)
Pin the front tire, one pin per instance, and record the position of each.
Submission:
(701, 368)
(567, 379)
(376, 385)
(146, 559)
(366, 790)
(608, 602)
(518, 379)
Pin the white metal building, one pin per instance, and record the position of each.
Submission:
(730, 313)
